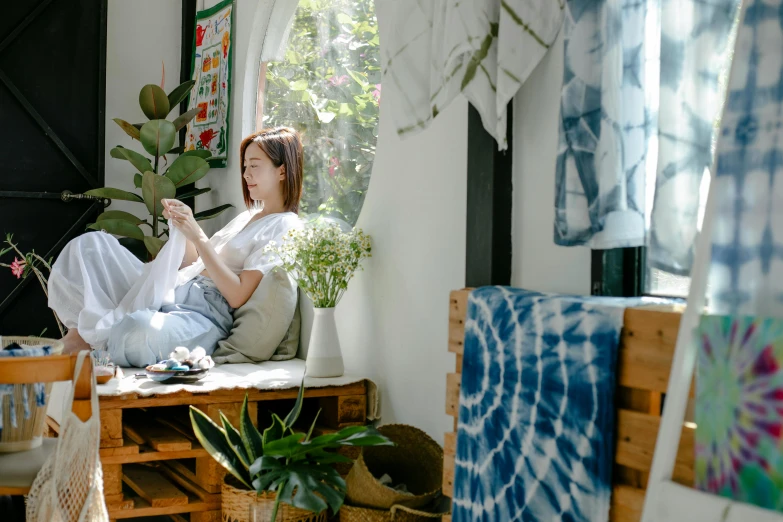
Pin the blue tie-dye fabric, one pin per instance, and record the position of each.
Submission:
(536, 416)
(39, 388)
(746, 273)
(640, 97)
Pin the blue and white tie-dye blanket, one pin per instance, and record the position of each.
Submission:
(536, 415)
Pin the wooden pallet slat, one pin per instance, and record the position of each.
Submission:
(144, 509)
(342, 411)
(453, 382)
(183, 470)
(647, 348)
(128, 448)
(147, 454)
(190, 485)
(449, 453)
(153, 487)
(111, 429)
(112, 479)
(132, 400)
(157, 436)
(636, 435)
(626, 504)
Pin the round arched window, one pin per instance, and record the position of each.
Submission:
(329, 88)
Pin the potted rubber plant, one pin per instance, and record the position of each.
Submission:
(280, 465)
(156, 178)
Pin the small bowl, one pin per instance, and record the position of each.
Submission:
(192, 375)
(101, 376)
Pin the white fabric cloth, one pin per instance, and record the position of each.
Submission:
(69, 487)
(240, 243)
(93, 287)
(268, 375)
(433, 49)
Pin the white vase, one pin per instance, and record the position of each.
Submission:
(324, 357)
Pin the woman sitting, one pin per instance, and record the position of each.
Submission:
(94, 273)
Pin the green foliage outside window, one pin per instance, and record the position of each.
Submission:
(328, 88)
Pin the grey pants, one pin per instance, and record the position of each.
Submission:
(200, 317)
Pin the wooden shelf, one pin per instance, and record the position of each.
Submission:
(142, 508)
(147, 454)
(161, 491)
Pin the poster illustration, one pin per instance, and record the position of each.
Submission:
(211, 94)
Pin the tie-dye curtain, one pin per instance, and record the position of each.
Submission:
(746, 270)
(434, 49)
(640, 98)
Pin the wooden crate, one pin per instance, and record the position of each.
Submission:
(153, 465)
(644, 360)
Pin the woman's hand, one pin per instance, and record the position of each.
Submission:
(180, 216)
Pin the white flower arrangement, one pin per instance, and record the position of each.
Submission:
(322, 259)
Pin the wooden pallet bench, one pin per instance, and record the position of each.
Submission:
(153, 465)
(159, 459)
(644, 361)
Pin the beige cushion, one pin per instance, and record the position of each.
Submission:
(267, 326)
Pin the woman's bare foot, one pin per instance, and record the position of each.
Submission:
(73, 342)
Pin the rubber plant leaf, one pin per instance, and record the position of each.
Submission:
(154, 188)
(153, 102)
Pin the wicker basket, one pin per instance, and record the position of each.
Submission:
(395, 514)
(415, 459)
(236, 502)
(28, 432)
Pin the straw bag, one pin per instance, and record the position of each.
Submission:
(23, 406)
(237, 500)
(415, 460)
(395, 514)
(69, 487)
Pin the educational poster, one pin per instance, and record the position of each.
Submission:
(212, 72)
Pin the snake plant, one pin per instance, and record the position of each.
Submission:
(295, 465)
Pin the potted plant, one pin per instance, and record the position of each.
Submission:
(157, 179)
(279, 465)
(322, 258)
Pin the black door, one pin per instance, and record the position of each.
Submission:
(52, 96)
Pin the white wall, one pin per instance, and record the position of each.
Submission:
(226, 183)
(136, 44)
(537, 263)
(393, 321)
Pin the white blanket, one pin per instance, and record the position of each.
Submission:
(270, 375)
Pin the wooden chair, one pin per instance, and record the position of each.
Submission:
(19, 469)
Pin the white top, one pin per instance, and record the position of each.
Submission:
(240, 244)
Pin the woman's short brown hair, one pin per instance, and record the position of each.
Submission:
(284, 147)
